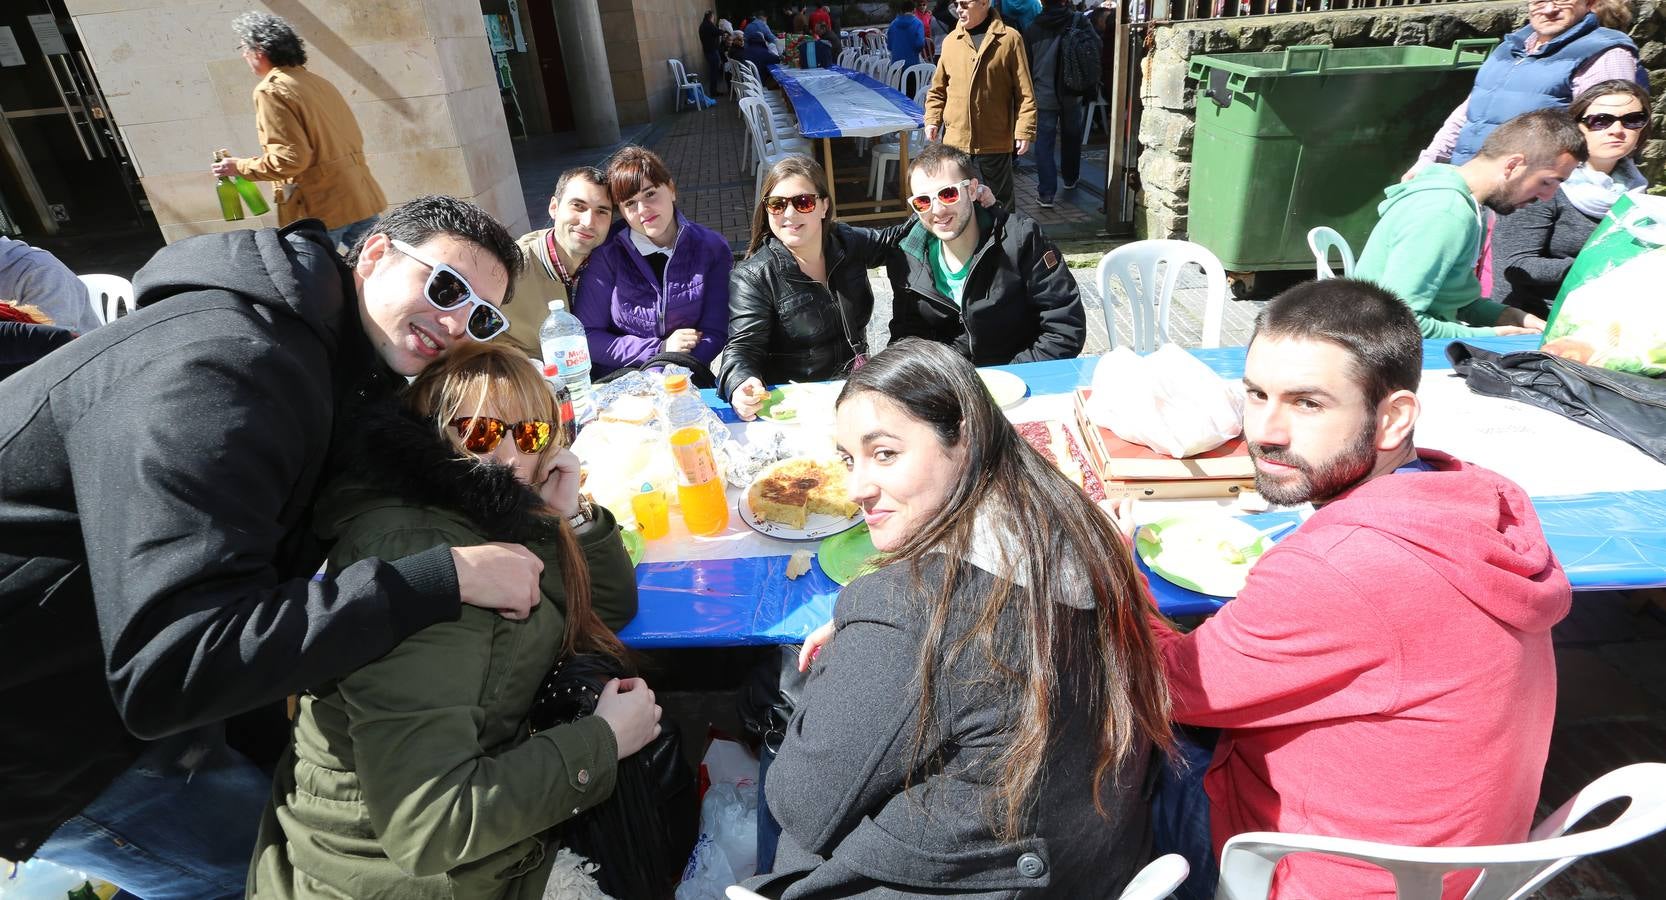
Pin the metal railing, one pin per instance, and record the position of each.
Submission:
(1134, 22)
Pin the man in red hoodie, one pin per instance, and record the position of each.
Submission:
(1386, 673)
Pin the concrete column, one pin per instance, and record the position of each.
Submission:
(584, 53)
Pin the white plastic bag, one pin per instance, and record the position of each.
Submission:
(727, 851)
(1170, 401)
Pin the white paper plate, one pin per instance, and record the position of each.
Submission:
(816, 525)
(1005, 387)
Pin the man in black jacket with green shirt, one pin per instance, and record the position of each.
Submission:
(987, 282)
(156, 557)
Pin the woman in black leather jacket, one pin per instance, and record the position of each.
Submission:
(799, 304)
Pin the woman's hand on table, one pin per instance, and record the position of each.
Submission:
(813, 645)
(749, 398)
(560, 483)
(628, 707)
(682, 340)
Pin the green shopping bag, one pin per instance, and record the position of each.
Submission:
(1609, 312)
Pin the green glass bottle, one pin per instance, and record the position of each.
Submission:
(251, 195)
(84, 892)
(231, 205)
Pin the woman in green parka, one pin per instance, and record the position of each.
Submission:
(416, 776)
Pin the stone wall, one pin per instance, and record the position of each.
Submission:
(641, 36)
(418, 74)
(1167, 121)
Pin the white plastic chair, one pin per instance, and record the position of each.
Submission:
(914, 76)
(848, 57)
(1321, 241)
(1508, 871)
(893, 74)
(110, 295)
(1151, 296)
(1158, 879)
(1097, 104)
(684, 82)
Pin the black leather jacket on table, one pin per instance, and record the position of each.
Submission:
(786, 326)
(1022, 304)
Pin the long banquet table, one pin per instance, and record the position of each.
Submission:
(836, 102)
(1608, 531)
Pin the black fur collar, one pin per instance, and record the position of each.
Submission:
(386, 448)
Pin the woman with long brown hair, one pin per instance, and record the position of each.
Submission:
(982, 719)
(416, 776)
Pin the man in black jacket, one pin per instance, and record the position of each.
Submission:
(988, 282)
(156, 561)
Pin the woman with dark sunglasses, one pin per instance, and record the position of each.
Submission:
(1534, 247)
(415, 776)
(800, 302)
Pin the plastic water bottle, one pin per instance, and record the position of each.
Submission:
(561, 338)
(699, 487)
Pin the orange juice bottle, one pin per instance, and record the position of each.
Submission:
(699, 487)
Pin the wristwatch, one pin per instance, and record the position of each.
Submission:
(585, 515)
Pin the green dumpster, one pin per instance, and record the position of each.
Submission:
(1310, 136)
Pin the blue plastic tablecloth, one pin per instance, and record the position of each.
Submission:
(838, 102)
(1604, 541)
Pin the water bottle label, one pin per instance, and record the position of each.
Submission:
(567, 354)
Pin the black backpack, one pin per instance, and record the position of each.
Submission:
(1079, 60)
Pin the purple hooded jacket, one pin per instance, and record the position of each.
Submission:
(627, 314)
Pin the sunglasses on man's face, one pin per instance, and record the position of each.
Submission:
(1633, 121)
(482, 434)
(950, 195)
(804, 203)
(447, 289)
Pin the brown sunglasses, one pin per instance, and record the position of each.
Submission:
(804, 203)
(482, 434)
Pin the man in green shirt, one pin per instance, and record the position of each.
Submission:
(985, 281)
(1425, 246)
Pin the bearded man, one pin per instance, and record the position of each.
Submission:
(1386, 673)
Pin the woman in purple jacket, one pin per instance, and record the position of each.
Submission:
(659, 283)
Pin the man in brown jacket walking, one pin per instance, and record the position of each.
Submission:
(981, 100)
(310, 143)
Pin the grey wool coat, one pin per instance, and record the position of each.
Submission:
(1533, 249)
(855, 825)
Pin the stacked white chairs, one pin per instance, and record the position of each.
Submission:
(768, 148)
(110, 296)
(848, 57)
(889, 150)
(685, 84)
(1150, 293)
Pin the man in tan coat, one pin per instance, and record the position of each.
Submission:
(553, 258)
(981, 100)
(310, 143)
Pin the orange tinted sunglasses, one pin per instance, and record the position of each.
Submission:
(482, 434)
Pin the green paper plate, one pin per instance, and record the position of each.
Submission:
(1187, 550)
(848, 554)
(635, 544)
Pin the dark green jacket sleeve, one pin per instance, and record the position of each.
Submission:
(436, 798)
(612, 577)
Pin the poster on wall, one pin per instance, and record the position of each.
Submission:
(494, 32)
(47, 34)
(11, 54)
(515, 20)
